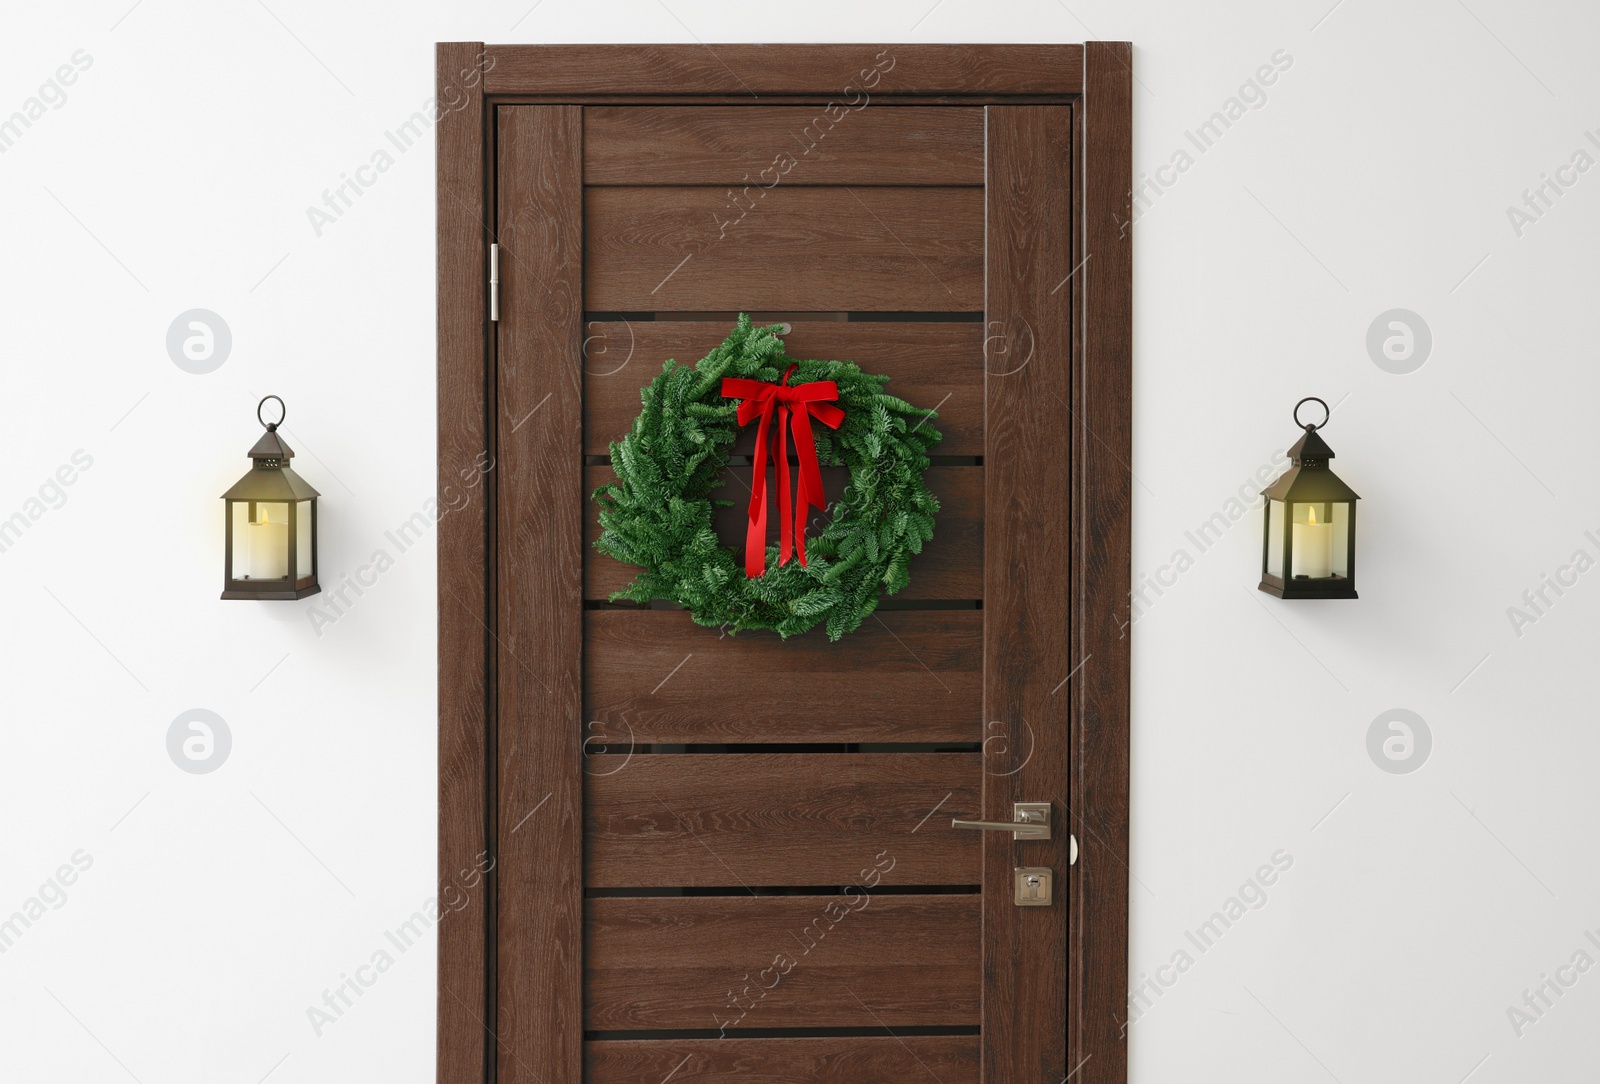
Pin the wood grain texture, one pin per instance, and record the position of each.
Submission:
(1028, 588)
(936, 366)
(944, 1059)
(463, 603)
(778, 818)
(949, 567)
(846, 71)
(793, 249)
(540, 528)
(655, 676)
(782, 145)
(1104, 446)
(854, 960)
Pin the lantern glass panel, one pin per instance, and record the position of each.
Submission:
(239, 517)
(267, 541)
(1275, 538)
(302, 523)
(1321, 540)
(1341, 539)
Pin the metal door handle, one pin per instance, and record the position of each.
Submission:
(1031, 820)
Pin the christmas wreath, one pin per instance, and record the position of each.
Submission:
(658, 513)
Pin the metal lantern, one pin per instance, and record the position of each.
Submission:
(1308, 547)
(271, 523)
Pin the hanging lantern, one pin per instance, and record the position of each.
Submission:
(1309, 545)
(271, 524)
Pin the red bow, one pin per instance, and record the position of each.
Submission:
(802, 401)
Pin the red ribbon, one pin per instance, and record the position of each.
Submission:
(803, 402)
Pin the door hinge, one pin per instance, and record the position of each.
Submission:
(494, 282)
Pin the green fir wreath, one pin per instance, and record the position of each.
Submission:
(658, 513)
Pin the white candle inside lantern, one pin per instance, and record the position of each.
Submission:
(269, 548)
(1313, 547)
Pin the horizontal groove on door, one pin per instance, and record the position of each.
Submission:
(918, 249)
(594, 746)
(916, 317)
(950, 565)
(903, 1056)
(655, 676)
(760, 318)
(787, 960)
(937, 367)
(760, 149)
(782, 819)
(746, 460)
(885, 605)
(889, 605)
(777, 1033)
(638, 892)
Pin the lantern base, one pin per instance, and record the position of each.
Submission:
(273, 593)
(1331, 587)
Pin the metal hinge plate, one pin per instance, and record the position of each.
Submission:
(494, 282)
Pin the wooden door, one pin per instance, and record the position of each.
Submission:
(730, 858)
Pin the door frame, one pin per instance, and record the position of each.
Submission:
(1096, 80)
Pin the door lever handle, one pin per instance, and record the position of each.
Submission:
(1031, 820)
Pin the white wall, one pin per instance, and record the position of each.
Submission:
(219, 907)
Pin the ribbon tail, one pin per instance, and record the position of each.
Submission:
(785, 512)
(808, 493)
(755, 538)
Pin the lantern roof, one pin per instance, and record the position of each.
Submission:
(1309, 479)
(1310, 446)
(271, 478)
(271, 484)
(271, 446)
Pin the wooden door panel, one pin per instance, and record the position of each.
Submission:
(937, 366)
(858, 1059)
(903, 676)
(949, 567)
(734, 820)
(792, 249)
(854, 960)
(788, 145)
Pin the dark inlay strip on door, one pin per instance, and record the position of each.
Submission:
(917, 317)
(595, 748)
(760, 318)
(745, 460)
(884, 604)
(905, 1030)
(647, 891)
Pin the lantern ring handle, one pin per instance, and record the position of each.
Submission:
(1326, 413)
(283, 412)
